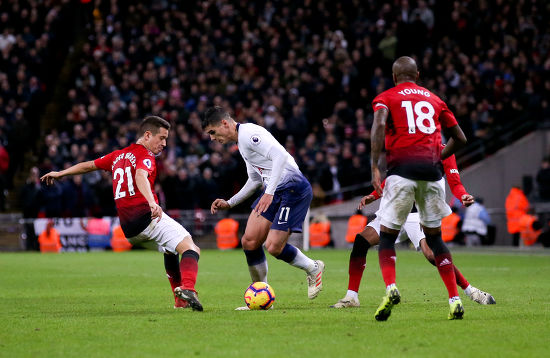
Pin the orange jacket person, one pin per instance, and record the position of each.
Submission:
(226, 234)
(356, 224)
(49, 239)
(516, 206)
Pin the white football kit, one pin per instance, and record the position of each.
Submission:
(267, 162)
(411, 229)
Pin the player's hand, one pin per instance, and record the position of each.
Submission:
(366, 200)
(50, 178)
(467, 199)
(376, 181)
(156, 211)
(263, 204)
(219, 204)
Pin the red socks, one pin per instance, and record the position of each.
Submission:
(386, 259)
(356, 268)
(189, 266)
(444, 264)
(171, 265)
(460, 280)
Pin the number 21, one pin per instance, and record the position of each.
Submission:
(120, 173)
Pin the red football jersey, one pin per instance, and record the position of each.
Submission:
(133, 209)
(413, 130)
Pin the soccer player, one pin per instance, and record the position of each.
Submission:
(141, 218)
(281, 208)
(370, 236)
(409, 119)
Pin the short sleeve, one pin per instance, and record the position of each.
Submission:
(379, 103)
(105, 162)
(145, 161)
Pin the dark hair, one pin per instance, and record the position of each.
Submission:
(213, 116)
(152, 124)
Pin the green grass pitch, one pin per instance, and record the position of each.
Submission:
(119, 305)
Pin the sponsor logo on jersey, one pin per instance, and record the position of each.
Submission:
(147, 163)
(453, 171)
(255, 139)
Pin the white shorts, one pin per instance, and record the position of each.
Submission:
(400, 194)
(411, 229)
(167, 233)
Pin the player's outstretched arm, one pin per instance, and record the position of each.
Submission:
(80, 168)
(219, 204)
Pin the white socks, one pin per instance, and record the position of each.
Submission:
(352, 294)
(452, 299)
(258, 272)
(303, 262)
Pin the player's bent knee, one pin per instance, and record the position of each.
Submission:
(274, 249)
(187, 244)
(249, 243)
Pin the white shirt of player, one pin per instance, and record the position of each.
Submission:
(267, 162)
(260, 150)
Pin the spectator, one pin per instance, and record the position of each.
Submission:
(4, 165)
(161, 60)
(475, 224)
(49, 239)
(543, 180)
(516, 206)
(30, 199)
(451, 228)
(530, 229)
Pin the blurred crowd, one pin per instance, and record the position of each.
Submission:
(32, 35)
(306, 70)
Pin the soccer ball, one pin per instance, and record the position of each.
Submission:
(259, 296)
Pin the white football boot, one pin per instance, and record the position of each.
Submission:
(315, 280)
(346, 302)
(481, 297)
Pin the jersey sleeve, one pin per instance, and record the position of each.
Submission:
(105, 162)
(379, 102)
(453, 177)
(446, 117)
(145, 161)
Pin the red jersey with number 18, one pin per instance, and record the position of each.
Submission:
(413, 130)
(133, 209)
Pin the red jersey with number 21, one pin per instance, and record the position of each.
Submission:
(133, 209)
(413, 130)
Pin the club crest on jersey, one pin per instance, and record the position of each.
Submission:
(255, 139)
(147, 163)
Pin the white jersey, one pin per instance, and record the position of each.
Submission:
(260, 150)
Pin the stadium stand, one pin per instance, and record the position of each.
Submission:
(305, 70)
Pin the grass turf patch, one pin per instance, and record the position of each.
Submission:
(120, 304)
